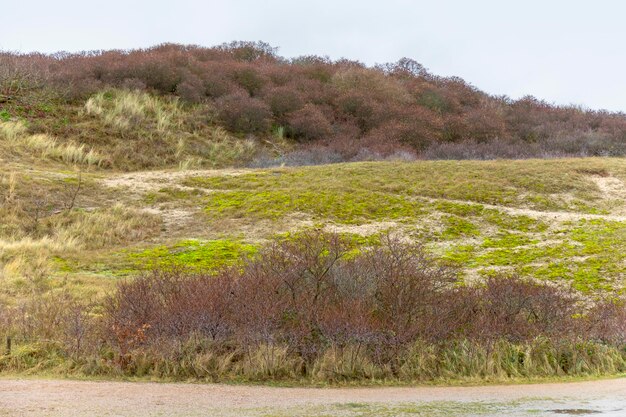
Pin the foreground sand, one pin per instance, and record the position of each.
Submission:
(79, 398)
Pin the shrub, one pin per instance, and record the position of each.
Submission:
(283, 100)
(191, 89)
(249, 80)
(315, 305)
(316, 296)
(241, 113)
(518, 310)
(308, 123)
(395, 105)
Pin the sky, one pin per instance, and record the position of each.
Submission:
(566, 52)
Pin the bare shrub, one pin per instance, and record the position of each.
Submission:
(241, 113)
(392, 106)
(607, 320)
(521, 310)
(308, 123)
(312, 295)
(283, 100)
(314, 305)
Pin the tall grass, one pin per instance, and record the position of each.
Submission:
(39, 222)
(164, 133)
(129, 110)
(11, 131)
(105, 227)
(14, 138)
(199, 359)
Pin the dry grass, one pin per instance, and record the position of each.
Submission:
(41, 224)
(106, 227)
(128, 110)
(17, 141)
(26, 264)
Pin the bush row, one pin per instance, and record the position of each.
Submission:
(314, 306)
(342, 104)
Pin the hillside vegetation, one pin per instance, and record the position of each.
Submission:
(242, 104)
(561, 220)
(539, 241)
(226, 214)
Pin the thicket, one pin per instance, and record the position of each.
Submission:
(315, 307)
(334, 109)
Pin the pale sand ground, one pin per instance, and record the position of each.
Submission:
(81, 398)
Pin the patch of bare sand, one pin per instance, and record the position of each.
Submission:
(80, 398)
(146, 181)
(172, 218)
(613, 190)
(560, 216)
(611, 187)
(366, 229)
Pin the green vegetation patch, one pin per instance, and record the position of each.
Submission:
(351, 193)
(344, 207)
(193, 255)
(536, 184)
(508, 240)
(457, 227)
(588, 253)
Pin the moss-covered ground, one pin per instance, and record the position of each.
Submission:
(559, 220)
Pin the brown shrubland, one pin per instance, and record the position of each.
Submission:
(312, 306)
(343, 106)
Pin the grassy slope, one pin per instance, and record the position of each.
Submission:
(560, 220)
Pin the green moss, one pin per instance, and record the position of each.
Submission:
(508, 240)
(459, 255)
(64, 265)
(524, 256)
(536, 184)
(551, 271)
(457, 227)
(459, 209)
(345, 207)
(192, 255)
(513, 222)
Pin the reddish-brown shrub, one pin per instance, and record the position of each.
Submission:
(312, 291)
(521, 310)
(283, 100)
(417, 132)
(241, 113)
(393, 105)
(607, 321)
(249, 79)
(191, 89)
(308, 123)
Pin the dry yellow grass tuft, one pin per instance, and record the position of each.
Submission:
(106, 227)
(125, 110)
(14, 139)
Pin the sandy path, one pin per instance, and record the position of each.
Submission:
(144, 181)
(79, 398)
(561, 216)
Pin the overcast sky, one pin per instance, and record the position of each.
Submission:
(567, 52)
